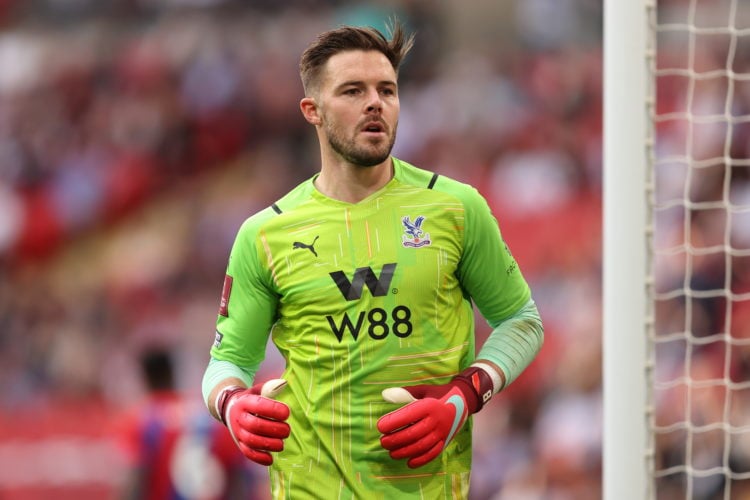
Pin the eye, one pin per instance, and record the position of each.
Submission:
(388, 91)
(351, 91)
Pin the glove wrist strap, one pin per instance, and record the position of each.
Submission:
(497, 380)
(480, 387)
(222, 399)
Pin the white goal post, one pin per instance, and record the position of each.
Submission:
(626, 118)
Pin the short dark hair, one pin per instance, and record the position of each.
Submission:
(344, 38)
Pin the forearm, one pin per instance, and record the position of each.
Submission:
(512, 345)
(221, 374)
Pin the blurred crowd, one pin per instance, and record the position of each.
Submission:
(136, 136)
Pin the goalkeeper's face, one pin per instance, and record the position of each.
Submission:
(358, 106)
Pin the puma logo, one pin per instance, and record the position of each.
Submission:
(311, 246)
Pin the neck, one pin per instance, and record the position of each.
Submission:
(352, 183)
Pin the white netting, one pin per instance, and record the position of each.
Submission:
(699, 317)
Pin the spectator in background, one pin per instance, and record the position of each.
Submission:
(173, 449)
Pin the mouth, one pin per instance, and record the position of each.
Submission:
(373, 128)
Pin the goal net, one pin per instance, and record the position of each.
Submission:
(699, 333)
(688, 401)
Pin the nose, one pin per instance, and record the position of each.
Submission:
(374, 102)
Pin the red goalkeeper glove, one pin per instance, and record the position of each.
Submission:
(420, 430)
(255, 421)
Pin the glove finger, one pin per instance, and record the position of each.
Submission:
(257, 456)
(408, 435)
(406, 415)
(268, 389)
(272, 387)
(419, 447)
(425, 458)
(264, 426)
(398, 395)
(263, 407)
(257, 442)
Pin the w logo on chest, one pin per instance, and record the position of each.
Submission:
(364, 276)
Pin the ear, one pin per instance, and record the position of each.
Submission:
(310, 110)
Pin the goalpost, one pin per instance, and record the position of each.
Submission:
(625, 251)
(676, 369)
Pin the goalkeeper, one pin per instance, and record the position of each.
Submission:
(365, 278)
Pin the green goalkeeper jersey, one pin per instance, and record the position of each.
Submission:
(357, 298)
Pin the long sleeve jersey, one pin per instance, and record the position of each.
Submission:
(359, 297)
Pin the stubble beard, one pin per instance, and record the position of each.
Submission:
(370, 155)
